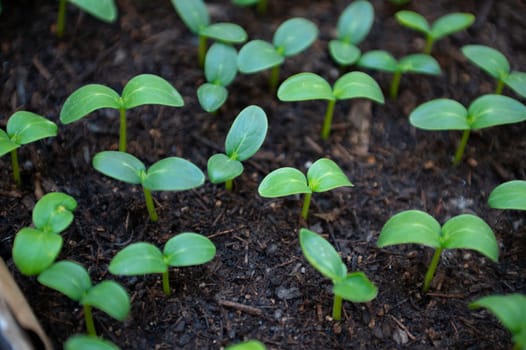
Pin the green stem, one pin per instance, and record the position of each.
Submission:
(306, 205)
(166, 283)
(327, 122)
(431, 270)
(228, 185)
(429, 45)
(460, 150)
(61, 18)
(88, 317)
(337, 308)
(500, 87)
(149, 205)
(262, 7)
(122, 131)
(274, 78)
(395, 84)
(201, 51)
(16, 168)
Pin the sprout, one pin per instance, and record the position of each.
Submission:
(105, 10)
(247, 345)
(88, 342)
(261, 4)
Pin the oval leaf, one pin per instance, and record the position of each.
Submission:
(138, 259)
(509, 195)
(411, 226)
(440, 114)
(257, 55)
(491, 110)
(221, 168)
(283, 182)
(6, 145)
(211, 97)
(490, 60)
(517, 82)
(419, 63)
(509, 309)
(247, 133)
(451, 23)
(87, 99)
(193, 13)
(221, 64)
(173, 174)
(344, 53)
(54, 212)
(379, 60)
(110, 297)
(69, 278)
(247, 345)
(119, 165)
(322, 255)
(105, 10)
(413, 20)
(226, 32)
(88, 342)
(355, 22)
(356, 287)
(34, 250)
(188, 249)
(26, 127)
(150, 89)
(324, 175)
(358, 85)
(294, 35)
(305, 86)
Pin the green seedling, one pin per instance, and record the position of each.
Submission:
(323, 175)
(495, 64)
(72, 280)
(310, 86)
(35, 249)
(353, 26)
(485, 111)
(247, 345)
(384, 61)
(262, 5)
(399, 2)
(184, 249)
(464, 231)
(509, 195)
(169, 174)
(509, 310)
(88, 342)
(354, 286)
(141, 90)
(195, 16)
(292, 37)
(23, 128)
(245, 137)
(442, 27)
(105, 10)
(220, 71)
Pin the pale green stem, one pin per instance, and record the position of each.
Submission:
(61, 18)
(228, 185)
(16, 168)
(166, 283)
(431, 270)
(122, 132)
(201, 51)
(460, 150)
(395, 84)
(88, 317)
(274, 78)
(306, 205)
(327, 122)
(149, 205)
(429, 45)
(500, 87)
(337, 308)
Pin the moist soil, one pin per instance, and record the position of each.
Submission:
(259, 285)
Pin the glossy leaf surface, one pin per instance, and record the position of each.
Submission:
(440, 114)
(173, 174)
(451, 23)
(247, 133)
(344, 53)
(35, 250)
(411, 226)
(138, 259)
(150, 89)
(105, 10)
(413, 20)
(357, 85)
(355, 22)
(490, 60)
(119, 165)
(283, 182)
(324, 175)
(211, 96)
(6, 145)
(88, 342)
(54, 212)
(294, 35)
(379, 60)
(509, 195)
(517, 82)
(492, 110)
(322, 255)
(419, 63)
(247, 345)
(225, 32)
(221, 168)
(356, 287)
(305, 86)
(87, 99)
(221, 64)
(69, 278)
(193, 13)
(25, 127)
(110, 297)
(188, 249)
(258, 55)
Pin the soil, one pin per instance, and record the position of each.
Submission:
(259, 285)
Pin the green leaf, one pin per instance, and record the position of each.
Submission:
(105, 10)
(110, 297)
(355, 22)
(150, 89)
(26, 127)
(221, 168)
(138, 259)
(193, 13)
(87, 99)
(413, 20)
(294, 35)
(221, 64)
(411, 226)
(247, 133)
(357, 85)
(517, 82)
(344, 53)
(451, 23)
(490, 60)
(283, 182)
(258, 55)
(211, 97)
(440, 114)
(54, 212)
(247, 345)
(509, 309)
(225, 32)
(419, 63)
(119, 165)
(322, 255)
(509, 195)
(379, 60)
(470, 232)
(173, 174)
(34, 250)
(305, 86)
(88, 342)
(188, 249)
(325, 175)
(6, 145)
(245, 2)
(69, 278)
(356, 287)
(491, 110)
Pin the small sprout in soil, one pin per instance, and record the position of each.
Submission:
(88, 342)
(323, 175)
(245, 137)
(464, 231)
(184, 249)
(169, 174)
(495, 64)
(509, 195)
(384, 61)
(510, 310)
(23, 128)
(485, 111)
(247, 345)
(442, 27)
(220, 71)
(353, 26)
(195, 15)
(141, 90)
(72, 280)
(399, 2)
(354, 286)
(262, 5)
(292, 37)
(105, 10)
(310, 86)
(35, 249)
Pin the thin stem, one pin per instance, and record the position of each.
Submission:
(500, 87)
(395, 84)
(61, 18)
(262, 7)
(16, 168)
(460, 150)
(166, 283)
(122, 132)
(228, 185)
(306, 205)
(327, 122)
(337, 308)
(88, 317)
(431, 270)
(429, 45)
(274, 78)
(149, 205)
(201, 51)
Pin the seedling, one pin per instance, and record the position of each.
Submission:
(495, 64)
(310, 86)
(220, 71)
(84, 342)
(442, 27)
(35, 249)
(169, 174)
(184, 249)
(354, 286)
(261, 4)
(141, 90)
(323, 175)
(245, 137)
(195, 15)
(510, 310)
(72, 280)
(464, 231)
(485, 111)
(247, 345)
(384, 61)
(105, 10)
(292, 37)
(509, 195)
(23, 128)
(353, 26)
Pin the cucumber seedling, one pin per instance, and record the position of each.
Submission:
(104, 10)
(247, 345)
(509, 195)
(85, 342)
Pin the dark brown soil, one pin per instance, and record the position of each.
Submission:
(259, 285)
